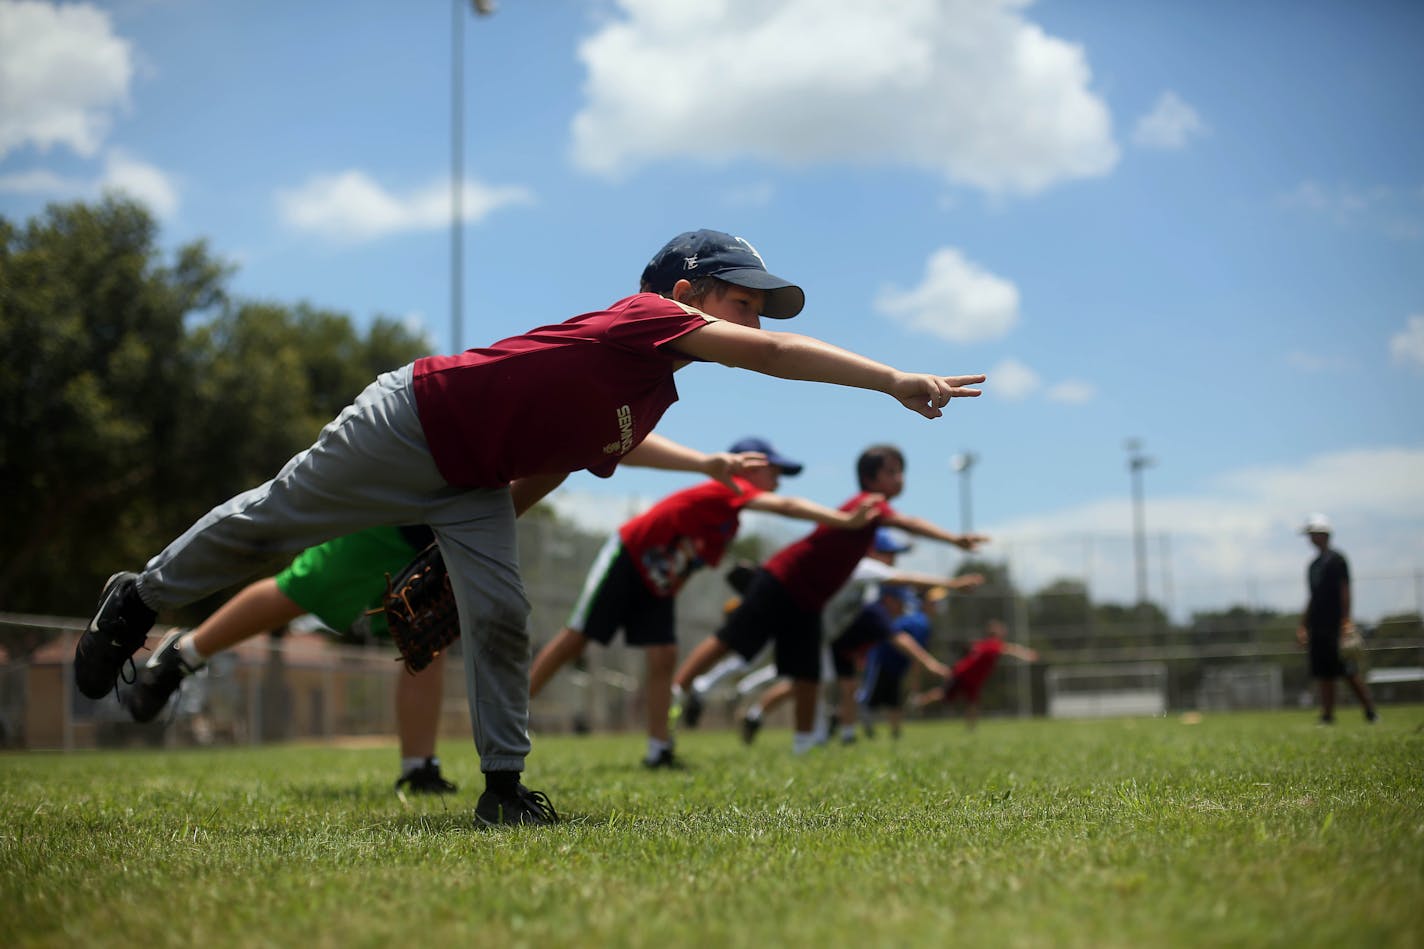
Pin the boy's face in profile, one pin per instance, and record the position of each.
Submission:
(767, 479)
(889, 480)
(729, 302)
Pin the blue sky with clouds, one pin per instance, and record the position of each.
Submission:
(1197, 224)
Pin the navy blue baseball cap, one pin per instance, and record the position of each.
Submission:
(787, 466)
(889, 542)
(715, 254)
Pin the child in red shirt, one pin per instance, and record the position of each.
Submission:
(439, 441)
(640, 570)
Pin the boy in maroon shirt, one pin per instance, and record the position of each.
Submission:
(640, 570)
(438, 442)
(783, 602)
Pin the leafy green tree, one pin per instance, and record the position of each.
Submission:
(91, 389)
(136, 394)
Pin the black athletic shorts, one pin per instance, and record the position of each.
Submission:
(768, 614)
(1325, 661)
(886, 690)
(870, 626)
(614, 596)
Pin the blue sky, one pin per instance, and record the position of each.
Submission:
(1198, 224)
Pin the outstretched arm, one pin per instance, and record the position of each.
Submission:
(1020, 652)
(792, 356)
(925, 581)
(655, 451)
(923, 528)
(805, 510)
(910, 647)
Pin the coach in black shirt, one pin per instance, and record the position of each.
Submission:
(1327, 619)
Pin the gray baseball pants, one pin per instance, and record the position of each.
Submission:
(371, 466)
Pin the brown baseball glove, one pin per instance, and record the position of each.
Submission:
(420, 609)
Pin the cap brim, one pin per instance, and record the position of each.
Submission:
(787, 466)
(783, 298)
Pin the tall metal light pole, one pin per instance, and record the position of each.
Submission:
(457, 164)
(964, 463)
(1136, 461)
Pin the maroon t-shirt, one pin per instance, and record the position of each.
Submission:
(577, 394)
(816, 566)
(685, 531)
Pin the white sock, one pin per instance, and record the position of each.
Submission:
(803, 742)
(754, 713)
(656, 746)
(729, 664)
(847, 731)
(410, 764)
(188, 651)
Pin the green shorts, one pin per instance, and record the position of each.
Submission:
(340, 580)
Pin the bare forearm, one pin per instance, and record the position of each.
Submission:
(793, 356)
(655, 451)
(802, 509)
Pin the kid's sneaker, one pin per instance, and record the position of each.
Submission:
(159, 678)
(750, 727)
(426, 779)
(522, 806)
(665, 760)
(115, 633)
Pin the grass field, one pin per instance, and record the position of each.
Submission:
(1248, 829)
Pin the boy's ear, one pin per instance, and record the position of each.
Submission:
(680, 290)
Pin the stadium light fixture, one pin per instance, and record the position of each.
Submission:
(1136, 462)
(457, 164)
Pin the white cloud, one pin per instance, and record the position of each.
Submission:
(1170, 124)
(1407, 346)
(957, 300)
(966, 89)
(350, 206)
(1237, 540)
(63, 72)
(1011, 380)
(141, 181)
(122, 172)
(1072, 392)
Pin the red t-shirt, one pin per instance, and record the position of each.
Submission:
(971, 671)
(577, 394)
(816, 566)
(685, 531)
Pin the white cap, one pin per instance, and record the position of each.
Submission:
(1316, 524)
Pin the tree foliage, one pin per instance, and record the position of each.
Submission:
(135, 394)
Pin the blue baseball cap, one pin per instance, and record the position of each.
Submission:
(787, 466)
(714, 254)
(897, 591)
(889, 542)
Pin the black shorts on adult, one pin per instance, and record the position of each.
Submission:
(1325, 661)
(768, 614)
(869, 627)
(623, 600)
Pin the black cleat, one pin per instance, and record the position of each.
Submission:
(750, 727)
(425, 779)
(115, 633)
(665, 760)
(158, 679)
(522, 806)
